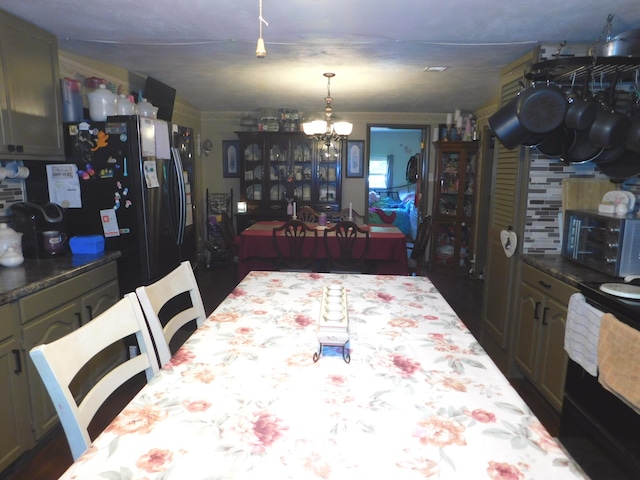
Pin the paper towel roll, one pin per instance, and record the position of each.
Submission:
(509, 241)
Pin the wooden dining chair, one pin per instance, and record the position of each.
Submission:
(169, 304)
(418, 248)
(307, 215)
(357, 218)
(58, 363)
(348, 260)
(290, 255)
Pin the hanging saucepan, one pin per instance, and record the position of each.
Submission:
(609, 155)
(632, 142)
(558, 142)
(625, 44)
(582, 110)
(541, 108)
(610, 127)
(507, 127)
(582, 151)
(622, 168)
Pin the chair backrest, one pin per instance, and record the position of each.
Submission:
(290, 254)
(307, 215)
(422, 241)
(357, 218)
(177, 291)
(58, 363)
(349, 258)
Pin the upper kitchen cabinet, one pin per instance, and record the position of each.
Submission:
(454, 205)
(30, 104)
(279, 168)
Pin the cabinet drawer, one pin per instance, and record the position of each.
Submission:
(8, 315)
(546, 283)
(41, 302)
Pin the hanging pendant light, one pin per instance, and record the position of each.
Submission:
(325, 130)
(261, 51)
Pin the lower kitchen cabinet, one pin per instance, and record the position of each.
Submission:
(539, 348)
(14, 410)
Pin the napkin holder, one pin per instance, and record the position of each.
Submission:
(333, 324)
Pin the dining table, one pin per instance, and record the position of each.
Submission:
(387, 248)
(243, 398)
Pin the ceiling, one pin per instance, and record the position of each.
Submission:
(377, 49)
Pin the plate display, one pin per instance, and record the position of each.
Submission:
(623, 290)
(252, 153)
(254, 192)
(257, 173)
(615, 197)
(277, 192)
(327, 194)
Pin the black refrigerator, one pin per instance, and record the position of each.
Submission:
(136, 177)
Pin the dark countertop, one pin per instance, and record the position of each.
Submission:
(37, 274)
(566, 270)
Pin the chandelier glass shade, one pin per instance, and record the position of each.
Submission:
(326, 130)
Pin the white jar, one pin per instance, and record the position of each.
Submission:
(102, 103)
(10, 246)
(125, 106)
(145, 109)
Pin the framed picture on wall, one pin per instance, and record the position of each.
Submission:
(355, 159)
(230, 159)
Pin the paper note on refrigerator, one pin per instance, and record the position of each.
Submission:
(109, 223)
(151, 174)
(64, 185)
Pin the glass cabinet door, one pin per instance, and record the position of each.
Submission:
(278, 177)
(449, 183)
(328, 175)
(302, 165)
(469, 185)
(252, 168)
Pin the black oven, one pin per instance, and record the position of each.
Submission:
(594, 419)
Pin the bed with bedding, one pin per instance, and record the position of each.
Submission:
(394, 208)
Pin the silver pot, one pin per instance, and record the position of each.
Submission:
(626, 44)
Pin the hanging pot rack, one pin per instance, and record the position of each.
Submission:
(574, 69)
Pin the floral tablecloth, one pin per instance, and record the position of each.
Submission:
(243, 398)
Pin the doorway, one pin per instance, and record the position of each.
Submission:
(394, 194)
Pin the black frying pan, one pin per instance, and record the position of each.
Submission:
(625, 166)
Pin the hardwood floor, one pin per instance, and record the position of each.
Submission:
(52, 457)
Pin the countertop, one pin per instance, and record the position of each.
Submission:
(37, 274)
(566, 270)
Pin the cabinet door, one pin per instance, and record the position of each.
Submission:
(14, 411)
(278, 173)
(251, 161)
(552, 365)
(450, 182)
(451, 244)
(47, 328)
(327, 191)
(529, 318)
(303, 164)
(31, 115)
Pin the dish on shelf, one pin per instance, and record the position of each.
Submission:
(273, 174)
(302, 153)
(306, 193)
(322, 173)
(307, 173)
(252, 153)
(257, 173)
(277, 192)
(327, 194)
(254, 192)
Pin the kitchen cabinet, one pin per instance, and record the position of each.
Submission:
(14, 410)
(55, 311)
(539, 345)
(279, 168)
(454, 205)
(30, 97)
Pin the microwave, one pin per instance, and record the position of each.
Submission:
(607, 243)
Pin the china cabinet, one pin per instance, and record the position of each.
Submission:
(277, 169)
(454, 205)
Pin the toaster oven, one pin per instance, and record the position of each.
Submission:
(607, 243)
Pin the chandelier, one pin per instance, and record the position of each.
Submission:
(325, 130)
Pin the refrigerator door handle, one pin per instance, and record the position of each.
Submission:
(181, 200)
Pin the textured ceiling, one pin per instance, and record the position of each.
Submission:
(378, 49)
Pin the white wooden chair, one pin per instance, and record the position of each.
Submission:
(58, 363)
(181, 282)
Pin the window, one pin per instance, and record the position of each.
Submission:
(379, 173)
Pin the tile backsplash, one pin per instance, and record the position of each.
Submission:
(12, 190)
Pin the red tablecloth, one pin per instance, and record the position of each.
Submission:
(387, 248)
